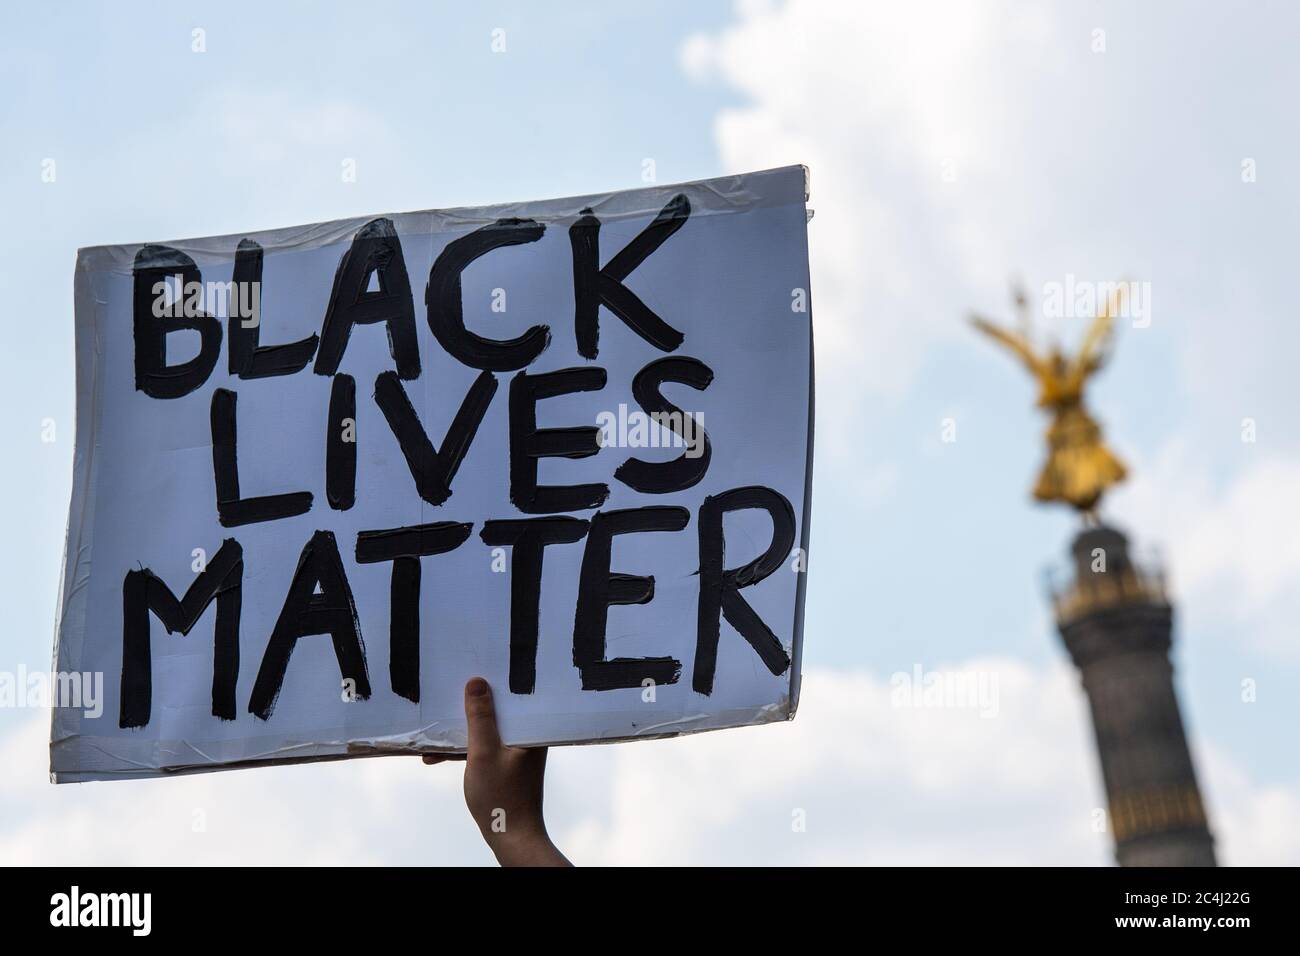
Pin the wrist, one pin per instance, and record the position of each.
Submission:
(526, 845)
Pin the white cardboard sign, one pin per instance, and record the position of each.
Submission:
(324, 475)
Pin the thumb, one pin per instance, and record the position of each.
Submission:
(481, 716)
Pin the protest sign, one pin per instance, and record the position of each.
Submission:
(325, 474)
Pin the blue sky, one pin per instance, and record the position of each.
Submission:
(951, 148)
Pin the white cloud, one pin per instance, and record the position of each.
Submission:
(879, 100)
(1257, 826)
(876, 783)
(1231, 550)
(352, 813)
(953, 145)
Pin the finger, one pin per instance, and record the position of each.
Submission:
(439, 758)
(481, 716)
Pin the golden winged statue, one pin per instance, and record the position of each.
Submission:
(1079, 466)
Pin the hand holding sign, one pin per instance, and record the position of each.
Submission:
(503, 787)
